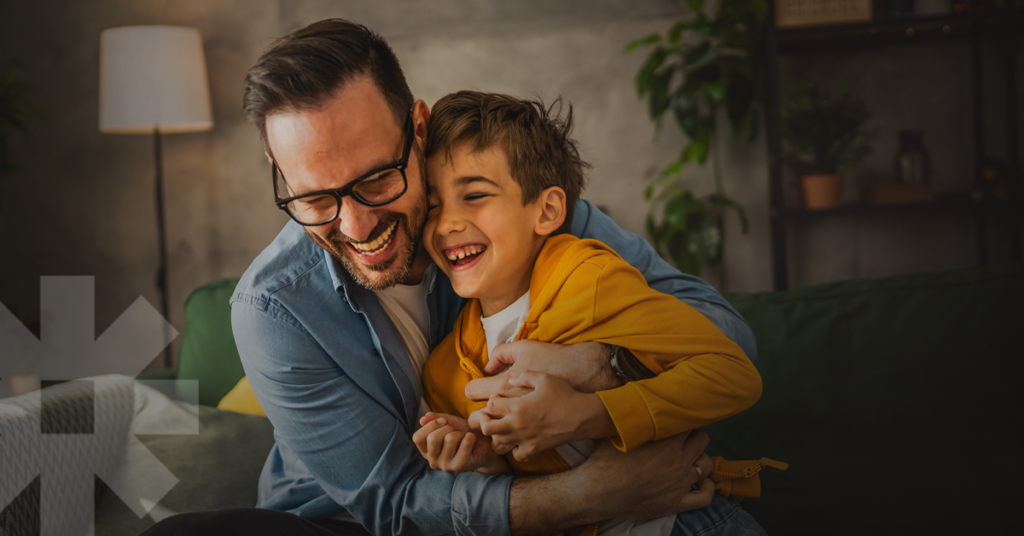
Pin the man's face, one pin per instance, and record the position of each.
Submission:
(352, 134)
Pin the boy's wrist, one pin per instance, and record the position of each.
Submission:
(495, 466)
(596, 423)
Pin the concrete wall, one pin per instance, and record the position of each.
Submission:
(84, 204)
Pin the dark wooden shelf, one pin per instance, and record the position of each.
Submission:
(978, 30)
(900, 31)
(943, 204)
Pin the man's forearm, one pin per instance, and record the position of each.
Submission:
(551, 503)
(593, 371)
(650, 481)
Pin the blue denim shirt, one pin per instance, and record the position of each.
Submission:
(336, 382)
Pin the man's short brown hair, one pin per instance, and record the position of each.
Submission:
(303, 69)
(536, 140)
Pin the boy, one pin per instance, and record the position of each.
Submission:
(504, 176)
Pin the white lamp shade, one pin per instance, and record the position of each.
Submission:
(153, 77)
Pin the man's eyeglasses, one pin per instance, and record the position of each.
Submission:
(378, 187)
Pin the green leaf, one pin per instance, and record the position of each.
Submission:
(684, 260)
(676, 32)
(715, 91)
(659, 99)
(697, 6)
(674, 168)
(645, 76)
(676, 214)
(700, 146)
(643, 41)
(699, 57)
(705, 242)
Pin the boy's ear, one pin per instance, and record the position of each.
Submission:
(552, 211)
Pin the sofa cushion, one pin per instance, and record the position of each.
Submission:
(208, 352)
(218, 468)
(895, 401)
(242, 399)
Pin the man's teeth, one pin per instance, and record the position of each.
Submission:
(371, 248)
(464, 252)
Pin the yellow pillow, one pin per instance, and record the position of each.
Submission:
(241, 399)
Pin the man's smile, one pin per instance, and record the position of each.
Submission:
(372, 251)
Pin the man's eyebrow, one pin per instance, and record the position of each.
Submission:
(379, 163)
(462, 181)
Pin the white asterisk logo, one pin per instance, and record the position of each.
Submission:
(70, 432)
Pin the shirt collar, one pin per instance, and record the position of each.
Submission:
(343, 283)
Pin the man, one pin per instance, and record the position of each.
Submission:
(336, 317)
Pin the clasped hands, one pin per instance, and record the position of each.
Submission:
(528, 411)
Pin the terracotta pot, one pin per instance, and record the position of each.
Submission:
(822, 191)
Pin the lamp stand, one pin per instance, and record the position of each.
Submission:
(161, 276)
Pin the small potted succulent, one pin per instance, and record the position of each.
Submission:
(827, 132)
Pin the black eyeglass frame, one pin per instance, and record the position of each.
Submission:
(349, 189)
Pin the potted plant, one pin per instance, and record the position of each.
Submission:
(16, 112)
(707, 63)
(827, 132)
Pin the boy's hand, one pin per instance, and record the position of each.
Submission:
(447, 444)
(584, 366)
(552, 414)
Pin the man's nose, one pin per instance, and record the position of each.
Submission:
(356, 220)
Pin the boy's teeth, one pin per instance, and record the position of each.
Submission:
(457, 254)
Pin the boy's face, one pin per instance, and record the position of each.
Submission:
(478, 217)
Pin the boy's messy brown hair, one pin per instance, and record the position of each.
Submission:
(535, 139)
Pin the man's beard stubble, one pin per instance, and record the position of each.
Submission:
(337, 244)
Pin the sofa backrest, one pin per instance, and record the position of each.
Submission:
(208, 352)
(895, 401)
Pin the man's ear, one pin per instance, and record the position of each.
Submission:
(420, 120)
(551, 203)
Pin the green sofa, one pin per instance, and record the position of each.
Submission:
(895, 402)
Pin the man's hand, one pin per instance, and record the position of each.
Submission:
(584, 366)
(448, 445)
(652, 480)
(551, 414)
(657, 477)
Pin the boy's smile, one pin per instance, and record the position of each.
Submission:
(478, 230)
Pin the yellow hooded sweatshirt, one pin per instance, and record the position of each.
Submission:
(580, 291)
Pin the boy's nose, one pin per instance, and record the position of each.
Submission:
(448, 222)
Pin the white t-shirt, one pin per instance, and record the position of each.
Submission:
(406, 306)
(503, 327)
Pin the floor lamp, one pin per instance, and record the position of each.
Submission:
(153, 81)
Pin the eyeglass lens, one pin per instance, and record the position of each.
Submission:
(377, 189)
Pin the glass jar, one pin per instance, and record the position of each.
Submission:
(912, 161)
